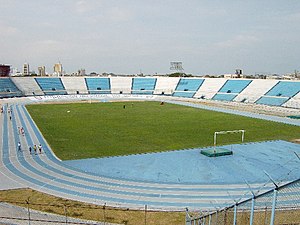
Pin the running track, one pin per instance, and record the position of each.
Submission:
(45, 173)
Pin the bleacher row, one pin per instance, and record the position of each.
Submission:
(266, 92)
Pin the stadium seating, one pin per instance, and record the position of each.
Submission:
(8, 88)
(231, 89)
(224, 97)
(266, 100)
(255, 90)
(209, 88)
(187, 87)
(74, 85)
(165, 85)
(98, 85)
(282, 92)
(143, 86)
(285, 89)
(121, 85)
(51, 86)
(28, 85)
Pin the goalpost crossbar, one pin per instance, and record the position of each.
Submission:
(228, 132)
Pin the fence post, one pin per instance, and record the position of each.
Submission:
(234, 214)
(188, 220)
(209, 219)
(273, 207)
(66, 213)
(252, 210)
(28, 210)
(145, 214)
(104, 215)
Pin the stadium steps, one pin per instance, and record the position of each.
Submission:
(44, 172)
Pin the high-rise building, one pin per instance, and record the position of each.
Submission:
(26, 69)
(41, 71)
(58, 69)
(4, 70)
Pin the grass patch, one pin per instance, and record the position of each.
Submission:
(109, 129)
(52, 204)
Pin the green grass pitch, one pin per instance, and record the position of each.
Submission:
(82, 130)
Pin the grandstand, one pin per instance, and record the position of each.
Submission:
(280, 93)
(8, 88)
(98, 85)
(187, 87)
(143, 86)
(231, 89)
(51, 86)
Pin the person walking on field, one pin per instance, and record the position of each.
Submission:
(30, 149)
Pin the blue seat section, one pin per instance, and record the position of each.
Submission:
(8, 88)
(98, 85)
(234, 86)
(143, 86)
(185, 94)
(285, 89)
(51, 86)
(187, 87)
(276, 101)
(224, 97)
(185, 84)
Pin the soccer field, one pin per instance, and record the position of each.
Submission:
(81, 130)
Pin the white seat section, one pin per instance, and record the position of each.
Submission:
(74, 84)
(166, 85)
(256, 89)
(293, 102)
(27, 85)
(210, 87)
(120, 85)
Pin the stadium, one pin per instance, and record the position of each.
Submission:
(155, 168)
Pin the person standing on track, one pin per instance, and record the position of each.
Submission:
(19, 147)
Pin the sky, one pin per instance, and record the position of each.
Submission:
(133, 36)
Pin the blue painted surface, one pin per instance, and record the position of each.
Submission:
(185, 94)
(285, 89)
(271, 101)
(189, 166)
(224, 97)
(235, 86)
(143, 85)
(98, 85)
(51, 86)
(8, 88)
(186, 84)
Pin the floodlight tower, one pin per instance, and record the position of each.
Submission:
(177, 66)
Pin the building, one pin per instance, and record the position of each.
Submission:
(26, 69)
(58, 69)
(4, 70)
(81, 72)
(41, 71)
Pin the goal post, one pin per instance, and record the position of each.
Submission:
(228, 132)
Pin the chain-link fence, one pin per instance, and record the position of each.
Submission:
(27, 212)
(280, 206)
